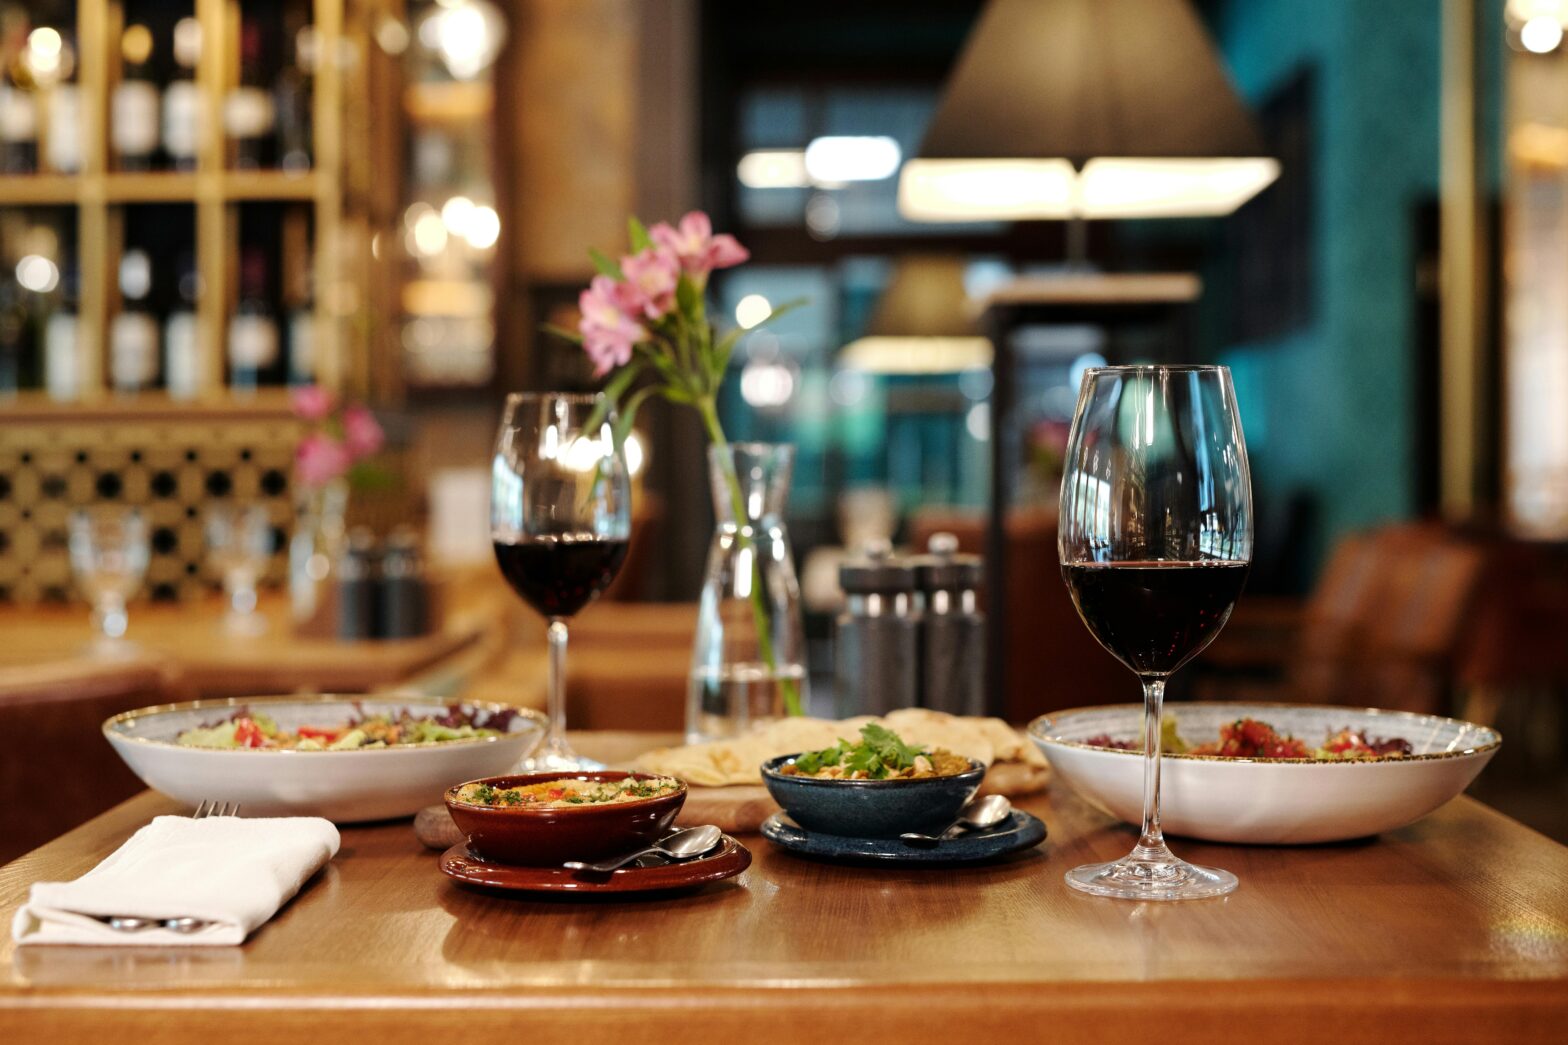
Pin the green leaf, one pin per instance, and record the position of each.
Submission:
(677, 395)
(606, 265)
(784, 310)
(722, 353)
(613, 390)
(561, 332)
(688, 298)
(628, 414)
(637, 234)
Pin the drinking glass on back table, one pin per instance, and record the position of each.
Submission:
(109, 552)
(560, 519)
(1155, 541)
(239, 544)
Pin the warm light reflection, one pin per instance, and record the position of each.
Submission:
(773, 169)
(37, 274)
(766, 385)
(916, 355)
(751, 310)
(1541, 35)
(467, 34)
(842, 158)
(997, 190)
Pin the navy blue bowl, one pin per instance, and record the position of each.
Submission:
(871, 808)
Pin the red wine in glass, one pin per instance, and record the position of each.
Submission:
(1155, 537)
(1155, 616)
(559, 575)
(560, 519)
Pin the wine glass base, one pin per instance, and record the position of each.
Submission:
(1133, 879)
(557, 757)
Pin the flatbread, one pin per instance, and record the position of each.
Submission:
(737, 760)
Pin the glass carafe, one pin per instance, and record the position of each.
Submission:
(748, 665)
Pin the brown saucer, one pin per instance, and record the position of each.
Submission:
(730, 860)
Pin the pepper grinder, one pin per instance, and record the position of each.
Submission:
(877, 639)
(356, 587)
(952, 629)
(403, 610)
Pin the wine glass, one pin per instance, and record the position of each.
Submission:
(239, 545)
(109, 552)
(1155, 541)
(560, 519)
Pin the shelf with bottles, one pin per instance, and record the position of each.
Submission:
(38, 298)
(271, 336)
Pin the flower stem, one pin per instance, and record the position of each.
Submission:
(707, 408)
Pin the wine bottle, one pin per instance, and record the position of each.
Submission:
(182, 360)
(133, 333)
(64, 150)
(62, 336)
(13, 337)
(293, 100)
(134, 105)
(182, 100)
(253, 329)
(18, 129)
(248, 112)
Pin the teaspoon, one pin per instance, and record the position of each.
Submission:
(977, 816)
(682, 845)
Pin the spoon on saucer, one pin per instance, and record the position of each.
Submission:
(682, 845)
(979, 814)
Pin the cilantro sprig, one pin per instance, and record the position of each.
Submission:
(880, 752)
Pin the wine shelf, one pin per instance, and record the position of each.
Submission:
(343, 203)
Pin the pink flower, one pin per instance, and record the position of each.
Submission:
(698, 249)
(651, 275)
(362, 434)
(608, 328)
(311, 402)
(320, 459)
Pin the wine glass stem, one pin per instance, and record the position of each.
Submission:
(557, 693)
(1151, 843)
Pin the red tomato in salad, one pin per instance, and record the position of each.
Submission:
(248, 734)
(321, 733)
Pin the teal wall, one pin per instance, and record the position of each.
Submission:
(1329, 409)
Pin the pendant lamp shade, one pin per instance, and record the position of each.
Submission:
(922, 324)
(1086, 108)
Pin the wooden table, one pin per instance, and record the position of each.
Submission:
(201, 659)
(1452, 929)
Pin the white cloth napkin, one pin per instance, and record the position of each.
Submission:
(230, 871)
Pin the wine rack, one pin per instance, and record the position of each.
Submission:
(329, 209)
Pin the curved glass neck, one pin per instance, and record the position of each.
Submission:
(749, 481)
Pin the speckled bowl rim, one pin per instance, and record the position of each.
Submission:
(976, 769)
(1037, 732)
(552, 812)
(113, 735)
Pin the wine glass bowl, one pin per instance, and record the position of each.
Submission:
(239, 546)
(1155, 541)
(109, 553)
(560, 521)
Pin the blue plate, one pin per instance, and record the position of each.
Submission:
(1023, 831)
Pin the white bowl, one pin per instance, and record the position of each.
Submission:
(345, 786)
(1268, 801)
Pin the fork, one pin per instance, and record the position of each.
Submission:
(125, 924)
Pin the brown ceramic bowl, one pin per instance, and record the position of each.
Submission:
(550, 837)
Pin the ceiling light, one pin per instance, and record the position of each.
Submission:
(1085, 109)
(751, 310)
(773, 169)
(916, 355)
(838, 159)
(1541, 35)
